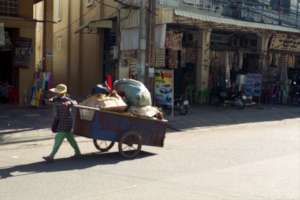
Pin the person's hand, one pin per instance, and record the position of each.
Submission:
(67, 103)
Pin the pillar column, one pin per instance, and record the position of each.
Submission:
(264, 44)
(203, 62)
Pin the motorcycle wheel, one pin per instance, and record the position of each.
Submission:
(184, 110)
(240, 104)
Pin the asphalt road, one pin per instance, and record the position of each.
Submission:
(246, 162)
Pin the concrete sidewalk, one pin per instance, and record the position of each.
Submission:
(28, 124)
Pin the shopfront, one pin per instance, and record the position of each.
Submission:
(282, 80)
(8, 71)
(234, 56)
(16, 61)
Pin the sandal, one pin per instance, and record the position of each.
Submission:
(48, 159)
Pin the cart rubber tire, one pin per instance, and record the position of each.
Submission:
(108, 145)
(134, 141)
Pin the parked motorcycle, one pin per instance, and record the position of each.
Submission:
(228, 98)
(181, 106)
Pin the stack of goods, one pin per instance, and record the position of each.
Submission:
(138, 98)
(129, 97)
(111, 102)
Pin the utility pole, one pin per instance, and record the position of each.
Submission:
(151, 24)
(297, 14)
(142, 43)
(44, 53)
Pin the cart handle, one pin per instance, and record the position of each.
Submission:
(87, 107)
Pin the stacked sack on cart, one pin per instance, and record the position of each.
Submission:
(128, 96)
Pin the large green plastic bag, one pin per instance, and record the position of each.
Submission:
(135, 92)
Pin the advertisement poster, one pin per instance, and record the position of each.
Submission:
(23, 52)
(253, 85)
(164, 87)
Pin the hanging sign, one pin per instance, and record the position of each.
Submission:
(2, 35)
(164, 87)
(285, 42)
(23, 52)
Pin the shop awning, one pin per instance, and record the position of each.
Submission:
(105, 24)
(234, 22)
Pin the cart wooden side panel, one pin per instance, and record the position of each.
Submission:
(110, 126)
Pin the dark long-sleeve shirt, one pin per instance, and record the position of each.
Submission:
(63, 113)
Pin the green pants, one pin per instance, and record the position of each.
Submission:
(59, 138)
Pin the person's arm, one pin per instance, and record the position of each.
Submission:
(53, 99)
(70, 102)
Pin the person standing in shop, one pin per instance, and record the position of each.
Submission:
(63, 122)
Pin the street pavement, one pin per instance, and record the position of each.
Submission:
(251, 158)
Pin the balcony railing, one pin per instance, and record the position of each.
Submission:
(260, 11)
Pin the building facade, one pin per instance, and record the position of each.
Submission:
(209, 44)
(76, 42)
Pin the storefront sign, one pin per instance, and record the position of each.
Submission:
(164, 87)
(23, 52)
(2, 35)
(285, 42)
(253, 85)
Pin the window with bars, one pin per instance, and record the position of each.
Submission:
(9, 8)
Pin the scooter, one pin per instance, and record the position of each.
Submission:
(182, 105)
(229, 98)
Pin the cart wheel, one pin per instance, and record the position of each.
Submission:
(130, 144)
(103, 145)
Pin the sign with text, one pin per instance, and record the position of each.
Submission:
(23, 52)
(285, 42)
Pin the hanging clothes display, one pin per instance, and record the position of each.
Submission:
(183, 58)
(192, 55)
(172, 58)
(227, 69)
(160, 57)
(42, 82)
(241, 59)
(291, 60)
(174, 40)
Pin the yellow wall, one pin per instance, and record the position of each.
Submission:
(77, 57)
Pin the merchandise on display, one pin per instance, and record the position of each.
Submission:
(42, 82)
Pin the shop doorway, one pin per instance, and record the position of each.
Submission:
(181, 56)
(9, 75)
(251, 63)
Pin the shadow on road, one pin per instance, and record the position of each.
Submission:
(210, 116)
(67, 164)
(14, 118)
